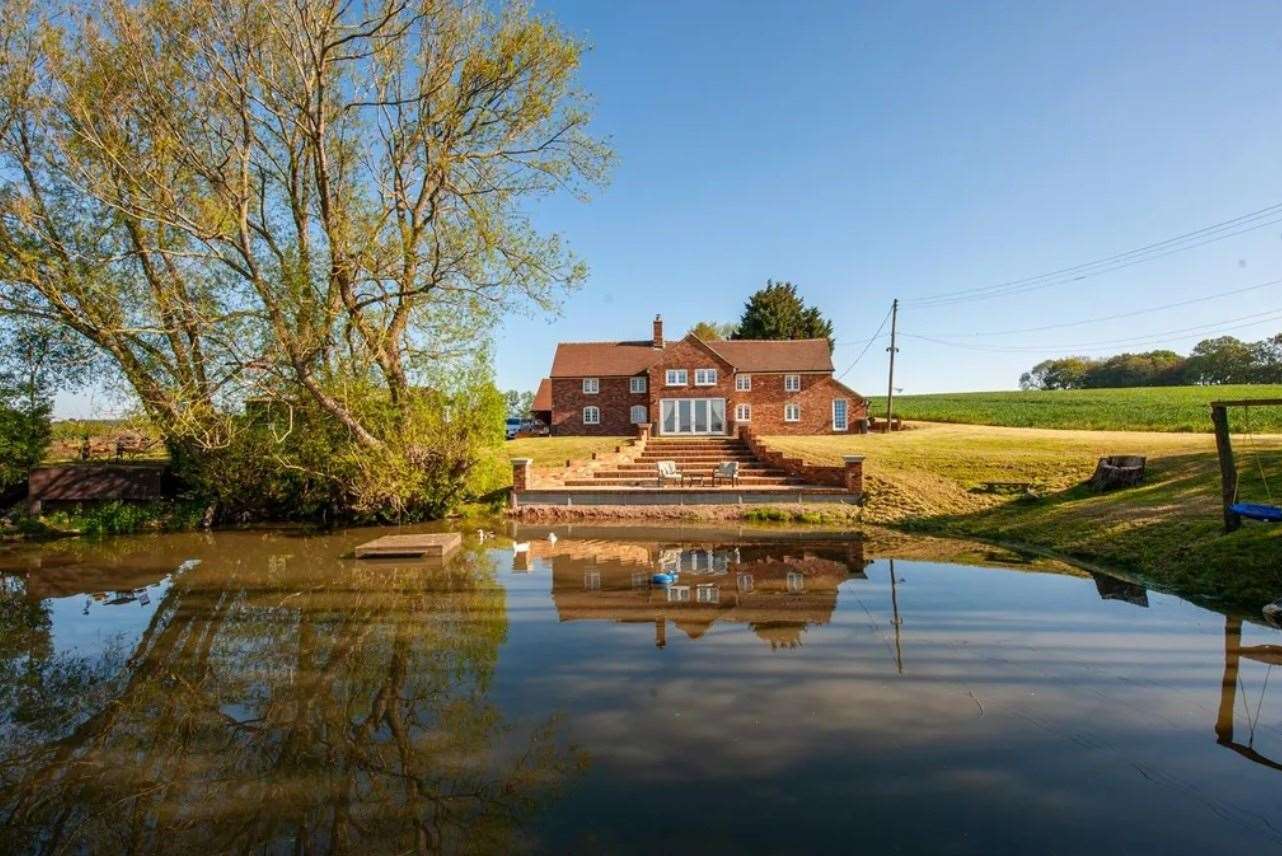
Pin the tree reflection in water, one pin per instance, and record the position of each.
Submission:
(276, 702)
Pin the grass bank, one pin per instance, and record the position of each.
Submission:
(1172, 408)
(1166, 531)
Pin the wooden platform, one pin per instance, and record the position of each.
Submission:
(398, 546)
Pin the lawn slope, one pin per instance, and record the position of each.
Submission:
(1170, 408)
(1167, 530)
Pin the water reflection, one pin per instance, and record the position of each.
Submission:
(791, 692)
(778, 591)
(274, 700)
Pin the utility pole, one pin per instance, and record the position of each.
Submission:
(890, 390)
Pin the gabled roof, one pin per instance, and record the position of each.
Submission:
(543, 398)
(592, 359)
(607, 359)
(775, 355)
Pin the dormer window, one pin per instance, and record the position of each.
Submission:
(705, 377)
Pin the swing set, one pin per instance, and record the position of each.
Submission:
(1235, 510)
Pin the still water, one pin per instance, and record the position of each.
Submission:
(792, 693)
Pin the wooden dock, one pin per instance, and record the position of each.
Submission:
(433, 544)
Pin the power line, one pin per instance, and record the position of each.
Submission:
(1101, 318)
(1151, 338)
(1096, 267)
(875, 337)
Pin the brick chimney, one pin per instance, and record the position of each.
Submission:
(658, 331)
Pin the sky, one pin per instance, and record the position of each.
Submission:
(868, 151)
(872, 151)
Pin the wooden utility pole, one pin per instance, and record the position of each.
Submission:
(890, 390)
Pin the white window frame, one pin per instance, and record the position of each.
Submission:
(743, 383)
(591, 415)
(591, 385)
(792, 412)
(743, 412)
(676, 377)
(637, 384)
(792, 383)
(644, 414)
(845, 426)
(709, 377)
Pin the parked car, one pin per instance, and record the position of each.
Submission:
(514, 426)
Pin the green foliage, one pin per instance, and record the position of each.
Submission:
(1171, 408)
(287, 462)
(518, 403)
(1223, 360)
(778, 312)
(711, 331)
(96, 520)
(25, 435)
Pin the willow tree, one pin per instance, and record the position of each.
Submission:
(315, 203)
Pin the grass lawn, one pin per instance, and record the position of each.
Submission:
(1172, 408)
(555, 451)
(1167, 530)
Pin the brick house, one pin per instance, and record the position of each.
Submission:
(693, 387)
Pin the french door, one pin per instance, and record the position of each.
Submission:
(692, 416)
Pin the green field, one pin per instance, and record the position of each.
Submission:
(1171, 408)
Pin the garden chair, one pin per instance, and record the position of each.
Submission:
(726, 472)
(668, 472)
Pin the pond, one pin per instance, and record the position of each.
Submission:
(791, 692)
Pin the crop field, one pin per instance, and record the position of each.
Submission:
(1170, 408)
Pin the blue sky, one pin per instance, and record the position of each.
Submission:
(871, 151)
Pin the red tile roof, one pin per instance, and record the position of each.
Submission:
(775, 355)
(543, 398)
(609, 359)
(603, 359)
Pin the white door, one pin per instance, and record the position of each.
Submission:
(692, 416)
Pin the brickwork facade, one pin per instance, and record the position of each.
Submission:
(772, 407)
(614, 402)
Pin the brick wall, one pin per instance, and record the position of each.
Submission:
(615, 401)
(768, 398)
(849, 476)
(689, 356)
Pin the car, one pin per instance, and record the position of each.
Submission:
(514, 426)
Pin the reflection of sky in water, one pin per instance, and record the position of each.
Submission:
(122, 622)
(1029, 711)
(1012, 711)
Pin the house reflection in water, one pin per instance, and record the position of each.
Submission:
(778, 591)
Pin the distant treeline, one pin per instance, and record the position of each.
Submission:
(1213, 361)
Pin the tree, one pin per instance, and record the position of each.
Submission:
(1225, 359)
(711, 331)
(1064, 373)
(777, 312)
(518, 403)
(1153, 368)
(316, 204)
(34, 363)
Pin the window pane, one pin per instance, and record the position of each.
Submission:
(683, 416)
(717, 422)
(700, 416)
(669, 417)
